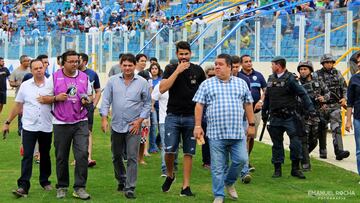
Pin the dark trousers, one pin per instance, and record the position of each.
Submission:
(19, 124)
(131, 143)
(29, 140)
(205, 148)
(276, 130)
(78, 134)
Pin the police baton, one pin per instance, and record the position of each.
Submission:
(263, 130)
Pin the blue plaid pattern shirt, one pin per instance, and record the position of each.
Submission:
(225, 110)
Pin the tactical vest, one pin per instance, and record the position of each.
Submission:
(279, 93)
(313, 89)
(332, 80)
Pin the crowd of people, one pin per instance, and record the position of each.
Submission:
(219, 108)
(78, 17)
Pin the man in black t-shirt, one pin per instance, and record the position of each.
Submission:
(4, 74)
(182, 81)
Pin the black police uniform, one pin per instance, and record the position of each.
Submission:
(280, 104)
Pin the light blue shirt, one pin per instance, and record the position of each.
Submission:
(128, 102)
(225, 106)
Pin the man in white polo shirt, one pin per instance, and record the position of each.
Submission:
(37, 126)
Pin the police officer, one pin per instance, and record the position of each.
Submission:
(318, 93)
(280, 102)
(331, 113)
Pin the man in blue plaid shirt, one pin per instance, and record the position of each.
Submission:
(226, 98)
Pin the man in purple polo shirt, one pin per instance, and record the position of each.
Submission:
(72, 93)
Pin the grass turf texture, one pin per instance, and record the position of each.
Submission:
(324, 178)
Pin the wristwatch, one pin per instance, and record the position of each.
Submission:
(252, 124)
(7, 122)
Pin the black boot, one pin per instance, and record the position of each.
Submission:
(295, 170)
(277, 171)
(323, 153)
(342, 154)
(306, 167)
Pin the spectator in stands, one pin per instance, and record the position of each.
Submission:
(31, 21)
(159, 14)
(136, 6)
(40, 7)
(199, 22)
(97, 14)
(188, 23)
(114, 17)
(245, 39)
(153, 26)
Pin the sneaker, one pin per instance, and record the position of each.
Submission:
(251, 168)
(61, 193)
(81, 194)
(48, 187)
(121, 188)
(218, 200)
(167, 184)
(20, 192)
(91, 163)
(232, 192)
(130, 194)
(246, 179)
(186, 192)
(163, 175)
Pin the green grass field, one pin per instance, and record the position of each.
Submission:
(325, 183)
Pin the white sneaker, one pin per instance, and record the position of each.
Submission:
(218, 200)
(232, 192)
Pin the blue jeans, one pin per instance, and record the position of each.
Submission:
(222, 174)
(153, 130)
(162, 136)
(178, 127)
(357, 142)
(245, 169)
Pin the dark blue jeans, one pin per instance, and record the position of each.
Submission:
(29, 140)
(276, 130)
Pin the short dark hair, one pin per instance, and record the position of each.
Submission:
(243, 56)
(120, 55)
(227, 57)
(235, 59)
(33, 61)
(183, 45)
(22, 57)
(139, 56)
(357, 55)
(1, 58)
(153, 59)
(128, 57)
(281, 62)
(42, 56)
(67, 54)
(84, 57)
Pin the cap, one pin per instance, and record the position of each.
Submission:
(278, 58)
